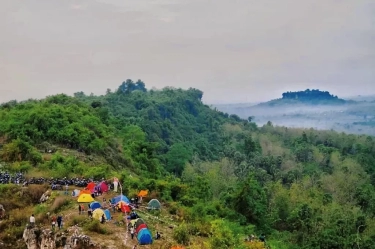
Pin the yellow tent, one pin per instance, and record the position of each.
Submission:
(98, 213)
(85, 198)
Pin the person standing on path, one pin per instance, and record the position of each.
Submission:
(59, 221)
(66, 189)
(53, 222)
(79, 209)
(132, 231)
(32, 220)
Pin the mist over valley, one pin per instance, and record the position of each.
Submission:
(354, 115)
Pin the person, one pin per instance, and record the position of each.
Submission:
(132, 231)
(82, 208)
(262, 238)
(32, 220)
(103, 219)
(157, 235)
(66, 189)
(89, 212)
(59, 221)
(79, 209)
(53, 222)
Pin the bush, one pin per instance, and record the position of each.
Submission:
(19, 217)
(96, 227)
(78, 220)
(181, 234)
(33, 193)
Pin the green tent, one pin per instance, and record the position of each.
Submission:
(154, 204)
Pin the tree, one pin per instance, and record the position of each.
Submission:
(250, 201)
(177, 157)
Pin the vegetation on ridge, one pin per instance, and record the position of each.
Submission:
(222, 177)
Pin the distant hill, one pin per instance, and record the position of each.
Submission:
(307, 97)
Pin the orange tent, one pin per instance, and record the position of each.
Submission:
(143, 193)
(91, 186)
(177, 247)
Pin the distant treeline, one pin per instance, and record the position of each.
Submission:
(309, 95)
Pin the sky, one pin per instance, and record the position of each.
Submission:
(234, 51)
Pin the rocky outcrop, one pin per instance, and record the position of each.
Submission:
(37, 238)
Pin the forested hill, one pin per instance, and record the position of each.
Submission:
(221, 177)
(309, 97)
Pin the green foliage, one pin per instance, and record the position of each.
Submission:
(224, 176)
(181, 234)
(221, 235)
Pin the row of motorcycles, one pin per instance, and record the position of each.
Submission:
(56, 183)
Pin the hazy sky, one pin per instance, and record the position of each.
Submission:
(235, 51)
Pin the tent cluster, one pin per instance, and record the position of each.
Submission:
(141, 231)
(87, 196)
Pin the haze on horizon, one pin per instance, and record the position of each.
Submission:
(234, 51)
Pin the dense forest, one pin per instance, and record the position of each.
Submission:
(223, 176)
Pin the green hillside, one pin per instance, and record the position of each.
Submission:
(221, 178)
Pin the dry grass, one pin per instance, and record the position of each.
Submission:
(33, 193)
(59, 203)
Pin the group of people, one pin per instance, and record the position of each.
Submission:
(251, 238)
(54, 220)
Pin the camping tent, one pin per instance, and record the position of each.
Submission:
(85, 198)
(142, 193)
(107, 214)
(94, 205)
(138, 228)
(132, 222)
(84, 191)
(121, 198)
(103, 186)
(154, 204)
(123, 206)
(144, 237)
(76, 192)
(139, 222)
(98, 213)
(91, 186)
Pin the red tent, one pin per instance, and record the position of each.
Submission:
(124, 207)
(103, 186)
(140, 227)
(91, 186)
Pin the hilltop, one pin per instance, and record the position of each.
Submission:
(220, 177)
(307, 97)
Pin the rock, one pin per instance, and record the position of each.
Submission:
(38, 238)
(45, 196)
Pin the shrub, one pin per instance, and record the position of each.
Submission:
(19, 217)
(78, 220)
(33, 193)
(181, 234)
(96, 227)
(41, 209)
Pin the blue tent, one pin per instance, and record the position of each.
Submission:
(94, 205)
(144, 237)
(120, 198)
(107, 214)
